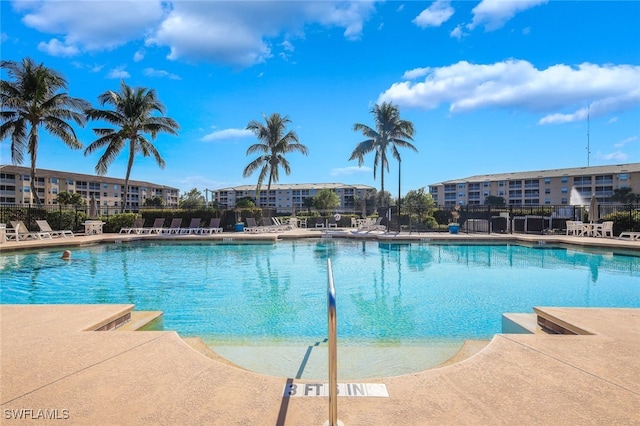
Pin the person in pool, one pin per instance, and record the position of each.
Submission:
(66, 255)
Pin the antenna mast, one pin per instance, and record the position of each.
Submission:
(588, 122)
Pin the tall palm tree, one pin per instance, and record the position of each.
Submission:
(390, 131)
(275, 143)
(132, 117)
(33, 100)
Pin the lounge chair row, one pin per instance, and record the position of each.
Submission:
(20, 232)
(268, 225)
(174, 228)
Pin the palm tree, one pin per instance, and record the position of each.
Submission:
(275, 143)
(33, 99)
(390, 131)
(132, 115)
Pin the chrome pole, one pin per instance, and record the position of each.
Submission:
(333, 348)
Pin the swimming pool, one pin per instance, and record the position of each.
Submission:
(274, 294)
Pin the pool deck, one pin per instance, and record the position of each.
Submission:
(52, 360)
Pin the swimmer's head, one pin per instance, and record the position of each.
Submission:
(66, 255)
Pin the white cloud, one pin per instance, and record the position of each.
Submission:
(118, 73)
(139, 55)
(561, 92)
(625, 141)
(239, 33)
(56, 48)
(150, 72)
(435, 15)
(457, 32)
(90, 25)
(226, 134)
(416, 73)
(233, 32)
(351, 170)
(493, 14)
(618, 156)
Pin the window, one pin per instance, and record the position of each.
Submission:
(564, 179)
(54, 180)
(547, 180)
(623, 176)
(564, 190)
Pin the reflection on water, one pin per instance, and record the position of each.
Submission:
(387, 293)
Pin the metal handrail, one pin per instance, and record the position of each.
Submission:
(333, 348)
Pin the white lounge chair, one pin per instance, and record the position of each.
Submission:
(136, 228)
(269, 226)
(45, 227)
(631, 236)
(22, 233)
(214, 226)
(252, 227)
(194, 227)
(174, 227)
(156, 228)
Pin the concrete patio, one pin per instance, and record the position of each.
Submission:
(53, 364)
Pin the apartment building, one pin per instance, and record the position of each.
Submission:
(544, 187)
(16, 188)
(286, 198)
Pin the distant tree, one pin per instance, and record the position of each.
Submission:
(155, 201)
(193, 199)
(274, 145)
(67, 199)
(418, 201)
(245, 203)
(34, 100)
(308, 203)
(326, 199)
(132, 117)
(625, 196)
(390, 132)
(493, 200)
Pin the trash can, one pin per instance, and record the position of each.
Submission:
(239, 227)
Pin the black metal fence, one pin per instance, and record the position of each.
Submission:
(471, 218)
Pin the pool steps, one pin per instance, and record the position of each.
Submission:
(138, 320)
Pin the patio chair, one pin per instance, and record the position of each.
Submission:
(136, 228)
(193, 228)
(45, 227)
(156, 228)
(331, 222)
(607, 229)
(22, 233)
(319, 222)
(268, 226)
(174, 227)
(214, 226)
(252, 227)
(284, 226)
(631, 236)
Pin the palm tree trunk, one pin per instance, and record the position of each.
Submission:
(132, 153)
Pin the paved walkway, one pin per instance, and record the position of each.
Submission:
(51, 361)
(53, 365)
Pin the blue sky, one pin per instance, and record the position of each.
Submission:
(490, 86)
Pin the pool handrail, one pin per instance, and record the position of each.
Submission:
(333, 347)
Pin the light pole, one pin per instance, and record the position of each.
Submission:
(399, 193)
(206, 196)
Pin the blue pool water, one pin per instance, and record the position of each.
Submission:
(386, 293)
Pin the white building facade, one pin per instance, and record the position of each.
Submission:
(535, 188)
